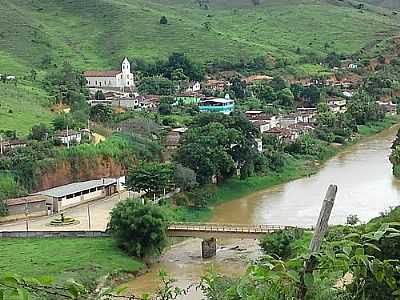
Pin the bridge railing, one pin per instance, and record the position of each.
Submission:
(216, 227)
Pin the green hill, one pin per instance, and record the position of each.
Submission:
(21, 107)
(390, 4)
(98, 33)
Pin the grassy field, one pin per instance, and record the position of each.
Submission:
(23, 106)
(98, 33)
(79, 258)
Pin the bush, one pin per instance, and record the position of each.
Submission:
(180, 200)
(280, 243)
(200, 198)
(139, 229)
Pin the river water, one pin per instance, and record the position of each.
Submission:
(366, 188)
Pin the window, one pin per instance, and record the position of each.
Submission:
(92, 190)
(85, 192)
(96, 82)
(70, 196)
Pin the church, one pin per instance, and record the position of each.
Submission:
(111, 79)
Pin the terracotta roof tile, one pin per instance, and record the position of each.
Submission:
(101, 73)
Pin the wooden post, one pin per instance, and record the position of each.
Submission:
(319, 233)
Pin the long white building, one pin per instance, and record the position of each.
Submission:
(111, 79)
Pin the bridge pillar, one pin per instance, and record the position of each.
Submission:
(209, 248)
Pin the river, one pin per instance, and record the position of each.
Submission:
(366, 188)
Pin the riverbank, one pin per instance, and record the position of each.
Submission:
(295, 168)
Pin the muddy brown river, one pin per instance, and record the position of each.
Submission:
(366, 188)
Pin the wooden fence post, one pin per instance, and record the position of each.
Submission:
(319, 233)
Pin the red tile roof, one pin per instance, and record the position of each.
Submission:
(101, 73)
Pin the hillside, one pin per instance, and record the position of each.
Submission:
(97, 33)
(21, 107)
(390, 4)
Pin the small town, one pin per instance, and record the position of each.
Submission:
(200, 150)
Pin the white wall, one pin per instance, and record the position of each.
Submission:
(105, 81)
(76, 200)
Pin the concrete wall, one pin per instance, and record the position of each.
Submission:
(52, 234)
(32, 207)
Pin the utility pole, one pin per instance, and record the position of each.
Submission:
(26, 216)
(1, 145)
(67, 137)
(319, 233)
(88, 213)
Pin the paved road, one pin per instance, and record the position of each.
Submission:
(99, 217)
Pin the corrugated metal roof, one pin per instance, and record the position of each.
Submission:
(76, 187)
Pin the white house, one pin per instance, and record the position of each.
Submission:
(68, 136)
(111, 79)
(194, 87)
(353, 66)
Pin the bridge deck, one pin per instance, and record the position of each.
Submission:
(218, 230)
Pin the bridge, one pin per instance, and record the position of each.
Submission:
(214, 230)
(209, 232)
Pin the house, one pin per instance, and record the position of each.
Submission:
(172, 140)
(80, 192)
(261, 120)
(32, 206)
(283, 134)
(68, 136)
(217, 85)
(111, 79)
(391, 108)
(188, 98)
(9, 145)
(194, 87)
(286, 121)
(348, 94)
(225, 106)
(262, 125)
(307, 115)
(353, 66)
(259, 145)
(337, 105)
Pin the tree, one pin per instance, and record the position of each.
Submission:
(280, 243)
(163, 20)
(278, 83)
(140, 229)
(62, 121)
(265, 92)
(285, 97)
(151, 178)
(206, 150)
(184, 178)
(165, 109)
(100, 113)
(99, 95)
(39, 132)
(156, 85)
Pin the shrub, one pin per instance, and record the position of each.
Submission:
(280, 243)
(200, 198)
(139, 229)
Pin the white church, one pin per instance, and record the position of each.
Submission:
(111, 79)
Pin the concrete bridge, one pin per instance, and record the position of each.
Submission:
(209, 232)
(214, 230)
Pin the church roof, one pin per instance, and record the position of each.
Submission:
(101, 73)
